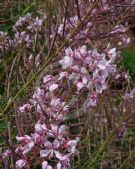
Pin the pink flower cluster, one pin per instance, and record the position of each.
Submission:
(91, 29)
(51, 137)
(88, 69)
(84, 69)
(27, 31)
(32, 27)
(52, 142)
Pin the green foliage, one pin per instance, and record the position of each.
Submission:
(128, 59)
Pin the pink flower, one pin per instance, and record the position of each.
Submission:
(28, 147)
(60, 29)
(57, 105)
(49, 148)
(67, 61)
(24, 138)
(37, 138)
(30, 59)
(6, 154)
(79, 76)
(53, 87)
(80, 85)
(40, 128)
(71, 146)
(62, 75)
(20, 163)
(28, 141)
(60, 156)
(112, 53)
(83, 50)
(92, 100)
(37, 97)
(64, 160)
(47, 78)
(45, 165)
(58, 131)
(99, 82)
(102, 64)
(24, 108)
(55, 102)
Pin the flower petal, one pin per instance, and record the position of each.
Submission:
(56, 144)
(102, 65)
(48, 144)
(44, 153)
(53, 87)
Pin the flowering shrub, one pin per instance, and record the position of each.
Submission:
(85, 69)
(87, 66)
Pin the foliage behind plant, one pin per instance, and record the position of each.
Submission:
(128, 59)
